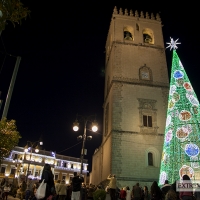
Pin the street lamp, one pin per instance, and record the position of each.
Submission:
(84, 136)
(29, 147)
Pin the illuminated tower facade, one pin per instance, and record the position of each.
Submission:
(135, 100)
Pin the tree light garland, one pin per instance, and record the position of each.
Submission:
(182, 132)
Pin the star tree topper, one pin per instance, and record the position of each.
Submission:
(172, 44)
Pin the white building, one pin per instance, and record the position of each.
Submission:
(20, 163)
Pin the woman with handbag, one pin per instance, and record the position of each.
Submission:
(47, 177)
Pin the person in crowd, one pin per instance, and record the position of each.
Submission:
(6, 191)
(128, 193)
(62, 190)
(56, 188)
(156, 193)
(18, 193)
(107, 189)
(76, 186)
(29, 189)
(165, 188)
(142, 195)
(123, 194)
(83, 192)
(112, 186)
(69, 192)
(172, 194)
(23, 187)
(2, 185)
(136, 193)
(90, 190)
(48, 177)
(146, 193)
(197, 195)
(184, 195)
(35, 187)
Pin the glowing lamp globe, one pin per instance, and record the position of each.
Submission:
(75, 126)
(94, 127)
(26, 148)
(36, 149)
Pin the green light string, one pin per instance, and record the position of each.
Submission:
(182, 132)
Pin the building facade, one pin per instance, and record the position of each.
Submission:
(135, 100)
(19, 164)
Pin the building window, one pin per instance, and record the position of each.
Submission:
(56, 177)
(150, 159)
(128, 33)
(36, 173)
(63, 178)
(3, 169)
(148, 36)
(147, 121)
(148, 116)
(13, 170)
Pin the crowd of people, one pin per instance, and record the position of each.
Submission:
(78, 190)
(165, 192)
(55, 190)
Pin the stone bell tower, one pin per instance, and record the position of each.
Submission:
(135, 100)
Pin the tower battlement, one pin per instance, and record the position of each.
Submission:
(136, 14)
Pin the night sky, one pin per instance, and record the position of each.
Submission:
(61, 73)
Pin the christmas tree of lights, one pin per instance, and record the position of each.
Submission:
(182, 132)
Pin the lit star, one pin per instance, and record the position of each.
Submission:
(172, 44)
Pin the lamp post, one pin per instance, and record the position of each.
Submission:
(84, 136)
(30, 146)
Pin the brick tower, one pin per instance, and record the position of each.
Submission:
(135, 100)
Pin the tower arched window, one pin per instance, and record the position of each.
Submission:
(148, 36)
(128, 33)
(150, 159)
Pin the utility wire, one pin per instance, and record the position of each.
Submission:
(121, 140)
(70, 147)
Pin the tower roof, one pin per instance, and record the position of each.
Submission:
(136, 14)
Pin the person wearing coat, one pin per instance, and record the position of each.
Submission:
(56, 188)
(48, 177)
(128, 193)
(112, 186)
(62, 190)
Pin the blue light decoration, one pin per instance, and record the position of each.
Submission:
(53, 154)
(178, 74)
(191, 150)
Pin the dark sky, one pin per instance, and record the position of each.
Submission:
(62, 67)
